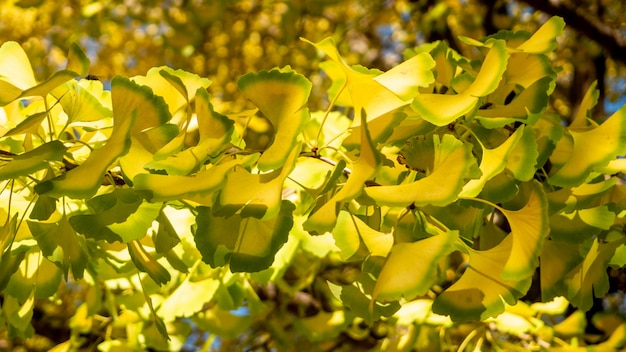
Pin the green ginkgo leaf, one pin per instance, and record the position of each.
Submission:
(246, 244)
(522, 159)
(442, 109)
(281, 95)
(32, 161)
(411, 267)
(580, 225)
(451, 163)
(481, 292)
(363, 169)
(61, 245)
(121, 215)
(589, 278)
(587, 154)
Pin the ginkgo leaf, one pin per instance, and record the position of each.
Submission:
(77, 60)
(529, 228)
(121, 215)
(580, 225)
(524, 107)
(188, 299)
(164, 188)
(492, 163)
(246, 244)
(215, 132)
(80, 104)
(587, 154)
(442, 109)
(481, 292)
(363, 169)
(128, 97)
(350, 232)
(370, 95)
(177, 87)
(35, 273)
(84, 180)
(589, 278)
(15, 68)
(405, 79)
(60, 244)
(281, 95)
(523, 157)
(147, 264)
(452, 162)
(32, 161)
(411, 268)
(580, 122)
(544, 39)
(257, 195)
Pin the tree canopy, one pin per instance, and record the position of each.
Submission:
(248, 175)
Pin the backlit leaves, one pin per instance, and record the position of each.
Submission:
(281, 96)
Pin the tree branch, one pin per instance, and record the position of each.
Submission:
(609, 38)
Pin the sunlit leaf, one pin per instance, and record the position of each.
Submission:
(32, 161)
(166, 187)
(350, 232)
(587, 154)
(257, 195)
(15, 69)
(118, 216)
(128, 97)
(442, 109)
(246, 244)
(60, 244)
(363, 168)
(481, 292)
(84, 180)
(176, 87)
(411, 267)
(77, 60)
(80, 104)
(581, 120)
(281, 95)
(215, 132)
(492, 163)
(450, 162)
(188, 299)
(544, 39)
(529, 228)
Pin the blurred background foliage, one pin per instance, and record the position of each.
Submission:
(223, 39)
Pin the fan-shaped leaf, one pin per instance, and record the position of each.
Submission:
(281, 95)
(411, 267)
(587, 154)
(452, 162)
(247, 244)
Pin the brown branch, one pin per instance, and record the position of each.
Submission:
(576, 18)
